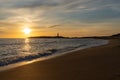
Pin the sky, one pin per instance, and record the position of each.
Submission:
(68, 17)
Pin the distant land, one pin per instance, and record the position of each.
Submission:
(115, 36)
(57, 36)
(47, 37)
(99, 37)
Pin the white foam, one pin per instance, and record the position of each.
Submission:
(58, 53)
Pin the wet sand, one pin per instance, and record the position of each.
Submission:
(97, 63)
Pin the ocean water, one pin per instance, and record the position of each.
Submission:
(19, 50)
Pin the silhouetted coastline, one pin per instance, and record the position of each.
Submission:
(47, 37)
(115, 36)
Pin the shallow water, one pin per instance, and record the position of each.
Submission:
(18, 50)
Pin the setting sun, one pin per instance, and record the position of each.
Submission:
(27, 30)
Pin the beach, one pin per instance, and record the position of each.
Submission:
(96, 63)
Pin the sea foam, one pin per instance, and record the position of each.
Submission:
(18, 50)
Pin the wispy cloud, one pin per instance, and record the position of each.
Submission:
(56, 13)
(59, 8)
(53, 26)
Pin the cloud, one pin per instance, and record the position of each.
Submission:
(8, 24)
(2, 32)
(50, 12)
(53, 26)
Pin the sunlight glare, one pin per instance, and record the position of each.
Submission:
(27, 30)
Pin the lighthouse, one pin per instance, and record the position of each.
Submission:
(58, 35)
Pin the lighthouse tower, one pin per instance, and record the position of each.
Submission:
(58, 35)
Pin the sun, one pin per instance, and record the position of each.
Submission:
(27, 30)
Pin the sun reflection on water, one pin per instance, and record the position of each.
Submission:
(27, 46)
(27, 40)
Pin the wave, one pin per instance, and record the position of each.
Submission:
(14, 54)
(12, 60)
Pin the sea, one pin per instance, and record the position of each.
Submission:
(13, 51)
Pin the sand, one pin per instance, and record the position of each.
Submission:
(97, 63)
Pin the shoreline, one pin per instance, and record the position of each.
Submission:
(95, 63)
(52, 56)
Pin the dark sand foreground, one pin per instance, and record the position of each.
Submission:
(98, 63)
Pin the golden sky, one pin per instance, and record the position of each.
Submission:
(74, 18)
